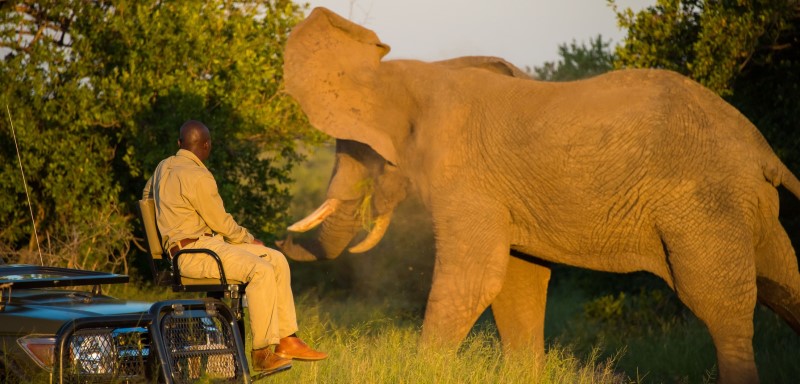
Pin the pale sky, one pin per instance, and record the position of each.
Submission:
(525, 32)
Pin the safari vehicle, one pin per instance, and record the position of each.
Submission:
(57, 326)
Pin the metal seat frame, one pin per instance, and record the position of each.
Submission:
(166, 270)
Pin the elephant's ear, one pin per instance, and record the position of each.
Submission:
(489, 63)
(330, 68)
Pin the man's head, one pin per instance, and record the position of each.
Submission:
(195, 138)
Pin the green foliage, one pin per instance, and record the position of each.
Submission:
(653, 338)
(646, 312)
(98, 90)
(578, 61)
(661, 36)
(710, 41)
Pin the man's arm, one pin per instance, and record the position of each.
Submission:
(148, 189)
(206, 200)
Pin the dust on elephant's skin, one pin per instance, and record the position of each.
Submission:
(635, 170)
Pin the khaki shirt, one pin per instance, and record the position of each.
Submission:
(187, 202)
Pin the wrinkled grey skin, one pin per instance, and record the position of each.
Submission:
(636, 170)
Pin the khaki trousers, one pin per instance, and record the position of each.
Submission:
(269, 292)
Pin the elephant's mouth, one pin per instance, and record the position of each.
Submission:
(329, 207)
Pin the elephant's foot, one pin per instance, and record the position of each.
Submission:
(740, 369)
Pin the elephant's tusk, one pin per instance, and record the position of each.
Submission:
(326, 209)
(375, 236)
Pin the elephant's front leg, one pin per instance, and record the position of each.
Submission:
(519, 308)
(472, 253)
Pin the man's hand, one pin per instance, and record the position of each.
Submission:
(257, 242)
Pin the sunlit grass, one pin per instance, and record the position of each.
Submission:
(375, 340)
(367, 346)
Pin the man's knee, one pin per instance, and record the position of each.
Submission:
(263, 271)
(275, 257)
(278, 260)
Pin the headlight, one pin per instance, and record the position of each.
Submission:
(40, 349)
(93, 354)
(119, 352)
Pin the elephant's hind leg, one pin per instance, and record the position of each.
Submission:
(778, 276)
(714, 274)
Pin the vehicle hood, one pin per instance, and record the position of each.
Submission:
(44, 311)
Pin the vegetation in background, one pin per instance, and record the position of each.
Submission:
(97, 91)
(578, 61)
(653, 337)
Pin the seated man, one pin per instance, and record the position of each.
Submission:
(190, 214)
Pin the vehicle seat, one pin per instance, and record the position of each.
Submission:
(167, 273)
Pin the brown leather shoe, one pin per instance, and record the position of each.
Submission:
(292, 347)
(265, 360)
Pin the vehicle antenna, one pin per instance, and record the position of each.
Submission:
(25, 184)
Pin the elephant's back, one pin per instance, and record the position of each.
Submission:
(639, 121)
(622, 151)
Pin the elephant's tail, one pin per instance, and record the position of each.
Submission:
(778, 174)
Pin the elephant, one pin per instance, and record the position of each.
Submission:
(633, 170)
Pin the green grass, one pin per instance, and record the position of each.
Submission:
(671, 346)
(373, 343)
(375, 340)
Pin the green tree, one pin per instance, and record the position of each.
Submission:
(97, 91)
(748, 51)
(578, 61)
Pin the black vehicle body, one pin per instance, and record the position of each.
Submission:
(52, 331)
